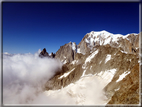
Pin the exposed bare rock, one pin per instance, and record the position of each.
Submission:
(43, 53)
(136, 41)
(52, 55)
(119, 61)
(66, 53)
(106, 57)
(83, 46)
(128, 92)
(58, 81)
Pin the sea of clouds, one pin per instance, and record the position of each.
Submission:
(24, 77)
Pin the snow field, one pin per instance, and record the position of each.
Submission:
(107, 75)
(88, 59)
(66, 74)
(98, 36)
(82, 92)
(108, 57)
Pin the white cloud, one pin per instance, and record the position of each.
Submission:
(24, 76)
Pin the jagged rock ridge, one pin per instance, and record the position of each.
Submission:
(113, 59)
(67, 52)
(128, 43)
(44, 53)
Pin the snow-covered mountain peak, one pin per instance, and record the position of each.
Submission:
(98, 35)
(101, 37)
(106, 61)
(104, 34)
(97, 38)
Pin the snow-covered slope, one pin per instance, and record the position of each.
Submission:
(98, 66)
(97, 38)
(92, 79)
(82, 92)
(128, 43)
(104, 37)
(100, 36)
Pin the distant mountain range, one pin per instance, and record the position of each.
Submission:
(113, 58)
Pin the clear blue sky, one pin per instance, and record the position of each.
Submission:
(28, 27)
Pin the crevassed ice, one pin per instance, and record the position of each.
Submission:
(122, 76)
(108, 57)
(88, 59)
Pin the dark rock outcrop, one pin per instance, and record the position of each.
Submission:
(52, 55)
(43, 53)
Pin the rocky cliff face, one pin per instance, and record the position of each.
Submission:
(128, 88)
(114, 60)
(66, 53)
(128, 43)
